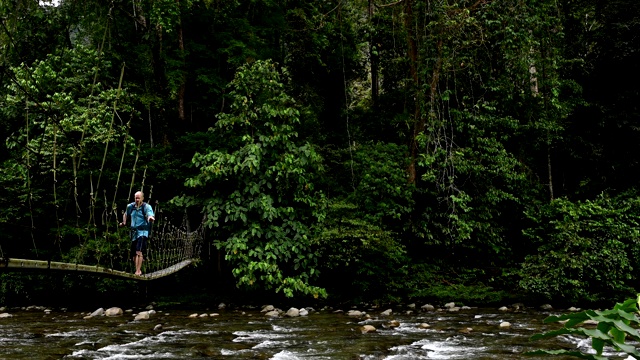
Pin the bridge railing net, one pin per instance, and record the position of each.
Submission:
(168, 246)
(171, 246)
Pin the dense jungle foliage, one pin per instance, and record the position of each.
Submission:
(475, 150)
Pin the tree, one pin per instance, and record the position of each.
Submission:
(263, 200)
(569, 238)
(68, 122)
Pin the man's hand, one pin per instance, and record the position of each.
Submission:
(121, 224)
(151, 219)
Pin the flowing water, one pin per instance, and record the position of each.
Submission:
(248, 334)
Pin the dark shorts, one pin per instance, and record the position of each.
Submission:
(139, 244)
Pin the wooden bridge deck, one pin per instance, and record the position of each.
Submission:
(26, 264)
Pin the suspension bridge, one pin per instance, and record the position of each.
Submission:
(170, 249)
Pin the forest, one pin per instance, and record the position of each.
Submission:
(365, 150)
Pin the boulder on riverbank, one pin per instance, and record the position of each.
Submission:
(114, 311)
(98, 312)
(144, 315)
(393, 324)
(428, 307)
(293, 312)
(367, 329)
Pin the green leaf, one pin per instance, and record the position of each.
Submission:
(597, 345)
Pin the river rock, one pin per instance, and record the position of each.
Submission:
(449, 305)
(393, 324)
(367, 329)
(505, 324)
(386, 312)
(203, 315)
(293, 312)
(424, 326)
(411, 306)
(149, 307)
(272, 313)
(267, 308)
(355, 313)
(546, 307)
(3, 308)
(466, 330)
(5, 315)
(113, 311)
(142, 316)
(573, 309)
(222, 306)
(427, 307)
(503, 308)
(99, 312)
(453, 309)
(304, 312)
(157, 327)
(194, 315)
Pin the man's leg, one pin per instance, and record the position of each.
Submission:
(138, 261)
(141, 245)
(134, 253)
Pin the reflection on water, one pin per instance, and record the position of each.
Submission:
(247, 334)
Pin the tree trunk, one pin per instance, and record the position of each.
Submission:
(417, 114)
(182, 88)
(374, 59)
(549, 169)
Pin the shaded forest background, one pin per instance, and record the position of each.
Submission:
(478, 151)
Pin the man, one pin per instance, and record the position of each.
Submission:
(141, 216)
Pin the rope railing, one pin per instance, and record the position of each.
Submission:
(170, 247)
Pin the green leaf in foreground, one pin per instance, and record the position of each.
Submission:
(614, 327)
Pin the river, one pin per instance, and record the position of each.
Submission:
(248, 334)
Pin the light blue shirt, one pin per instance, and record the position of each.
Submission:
(139, 216)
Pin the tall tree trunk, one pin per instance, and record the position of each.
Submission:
(419, 123)
(533, 80)
(373, 51)
(156, 58)
(549, 170)
(182, 88)
(413, 61)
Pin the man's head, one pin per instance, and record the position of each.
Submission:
(139, 197)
